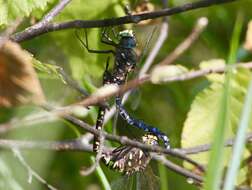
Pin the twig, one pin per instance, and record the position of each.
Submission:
(55, 11)
(182, 47)
(72, 83)
(178, 169)
(207, 147)
(31, 172)
(31, 32)
(82, 144)
(15, 145)
(49, 16)
(67, 145)
(126, 141)
(94, 99)
(32, 119)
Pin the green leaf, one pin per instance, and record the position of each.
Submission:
(11, 10)
(201, 120)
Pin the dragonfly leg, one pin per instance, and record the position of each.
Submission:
(140, 124)
(106, 39)
(85, 44)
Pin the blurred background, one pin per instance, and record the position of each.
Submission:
(165, 106)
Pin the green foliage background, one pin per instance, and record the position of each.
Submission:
(186, 111)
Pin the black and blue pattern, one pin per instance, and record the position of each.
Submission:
(125, 62)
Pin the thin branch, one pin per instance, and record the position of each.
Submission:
(55, 11)
(67, 145)
(50, 15)
(31, 172)
(126, 141)
(78, 146)
(72, 83)
(31, 32)
(207, 147)
(82, 144)
(94, 99)
(178, 169)
(183, 46)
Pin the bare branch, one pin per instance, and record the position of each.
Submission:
(178, 169)
(94, 99)
(31, 172)
(183, 46)
(67, 145)
(55, 11)
(126, 141)
(207, 147)
(49, 16)
(31, 32)
(82, 144)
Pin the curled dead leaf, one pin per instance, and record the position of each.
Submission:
(18, 81)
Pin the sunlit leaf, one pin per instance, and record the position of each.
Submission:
(201, 119)
(10, 10)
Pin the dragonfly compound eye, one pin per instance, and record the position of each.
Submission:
(127, 39)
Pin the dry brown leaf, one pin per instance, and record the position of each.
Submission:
(248, 41)
(18, 81)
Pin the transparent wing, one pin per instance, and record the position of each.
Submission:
(123, 183)
(145, 180)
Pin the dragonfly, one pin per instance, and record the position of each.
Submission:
(125, 63)
(132, 160)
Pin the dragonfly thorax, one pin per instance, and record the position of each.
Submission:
(127, 42)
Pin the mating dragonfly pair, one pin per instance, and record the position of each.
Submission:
(125, 159)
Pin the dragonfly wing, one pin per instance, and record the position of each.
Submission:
(147, 180)
(123, 183)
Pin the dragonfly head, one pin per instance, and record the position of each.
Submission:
(150, 139)
(127, 39)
